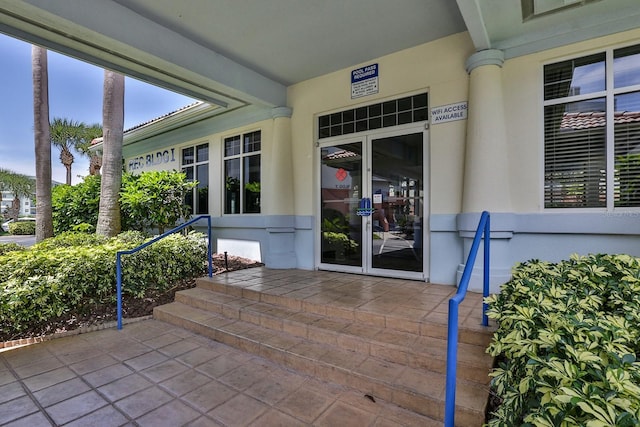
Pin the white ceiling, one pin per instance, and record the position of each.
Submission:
(293, 40)
(238, 52)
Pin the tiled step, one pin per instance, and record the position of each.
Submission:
(434, 325)
(387, 344)
(414, 388)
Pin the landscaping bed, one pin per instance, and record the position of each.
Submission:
(567, 343)
(68, 282)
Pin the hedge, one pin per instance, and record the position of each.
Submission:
(567, 341)
(74, 272)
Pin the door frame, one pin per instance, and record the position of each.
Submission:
(366, 139)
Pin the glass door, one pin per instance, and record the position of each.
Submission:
(340, 194)
(397, 194)
(372, 205)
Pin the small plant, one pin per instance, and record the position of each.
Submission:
(340, 243)
(22, 228)
(568, 339)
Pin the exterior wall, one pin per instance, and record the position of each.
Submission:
(286, 228)
(522, 80)
(437, 68)
(530, 231)
(274, 229)
(27, 207)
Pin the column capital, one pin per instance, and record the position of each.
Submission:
(484, 57)
(277, 112)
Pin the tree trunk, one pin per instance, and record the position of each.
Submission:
(95, 163)
(66, 158)
(44, 216)
(113, 127)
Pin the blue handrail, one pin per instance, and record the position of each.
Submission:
(452, 334)
(144, 245)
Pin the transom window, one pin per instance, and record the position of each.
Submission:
(195, 164)
(592, 131)
(242, 173)
(401, 111)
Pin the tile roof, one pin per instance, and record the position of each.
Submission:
(154, 120)
(578, 121)
(341, 154)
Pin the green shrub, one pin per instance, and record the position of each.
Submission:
(10, 247)
(567, 340)
(155, 199)
(74, 272)
(75, 205)
(338, 242)
(22, 228)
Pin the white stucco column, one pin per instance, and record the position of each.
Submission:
(278, 170)
(486, 183)
(486, 170)
(278, 193)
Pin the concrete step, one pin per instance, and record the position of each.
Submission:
(391, 345)
(433, 325)
(414, 388)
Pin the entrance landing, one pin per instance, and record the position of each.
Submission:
(384, 337)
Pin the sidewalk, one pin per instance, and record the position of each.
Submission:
(154, 374)
(21, 240)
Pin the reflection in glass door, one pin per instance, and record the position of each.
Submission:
(341, 190)
(372, 205)
(397, 188)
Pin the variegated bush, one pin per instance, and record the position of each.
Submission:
(567, 343)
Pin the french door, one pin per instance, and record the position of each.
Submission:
(373, 204)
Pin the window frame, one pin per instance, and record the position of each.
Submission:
(609, 94)
(194, 165)
(242, 156)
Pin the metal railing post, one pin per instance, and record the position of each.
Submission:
(144, 245)
(485, 287)
(119, 289)
(454, 302)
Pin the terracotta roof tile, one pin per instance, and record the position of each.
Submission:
(577, 121)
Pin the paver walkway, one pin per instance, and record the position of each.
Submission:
(155, 374)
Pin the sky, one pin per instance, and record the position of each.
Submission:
(75, 93)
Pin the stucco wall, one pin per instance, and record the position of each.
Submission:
(522, 80)
(436, 67)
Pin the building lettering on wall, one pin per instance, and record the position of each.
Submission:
(449, 113)
(364, 81)
(151, 160)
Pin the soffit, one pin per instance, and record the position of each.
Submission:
(294, 40)
(499, 24)
(233, 53)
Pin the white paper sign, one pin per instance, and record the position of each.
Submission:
(449, 113)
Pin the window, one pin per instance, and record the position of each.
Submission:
(592, 131)
(535, 8)
(385, 114)
(242, 173)
(195, 164)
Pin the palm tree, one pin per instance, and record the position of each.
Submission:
(109, 223)
(44, 217)
(70, 136)
(95, 161)
(18, 184)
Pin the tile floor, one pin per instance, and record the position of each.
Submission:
(154, 374)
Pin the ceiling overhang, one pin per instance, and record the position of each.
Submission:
(233, 54)
(145, 50)
(498, 24)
